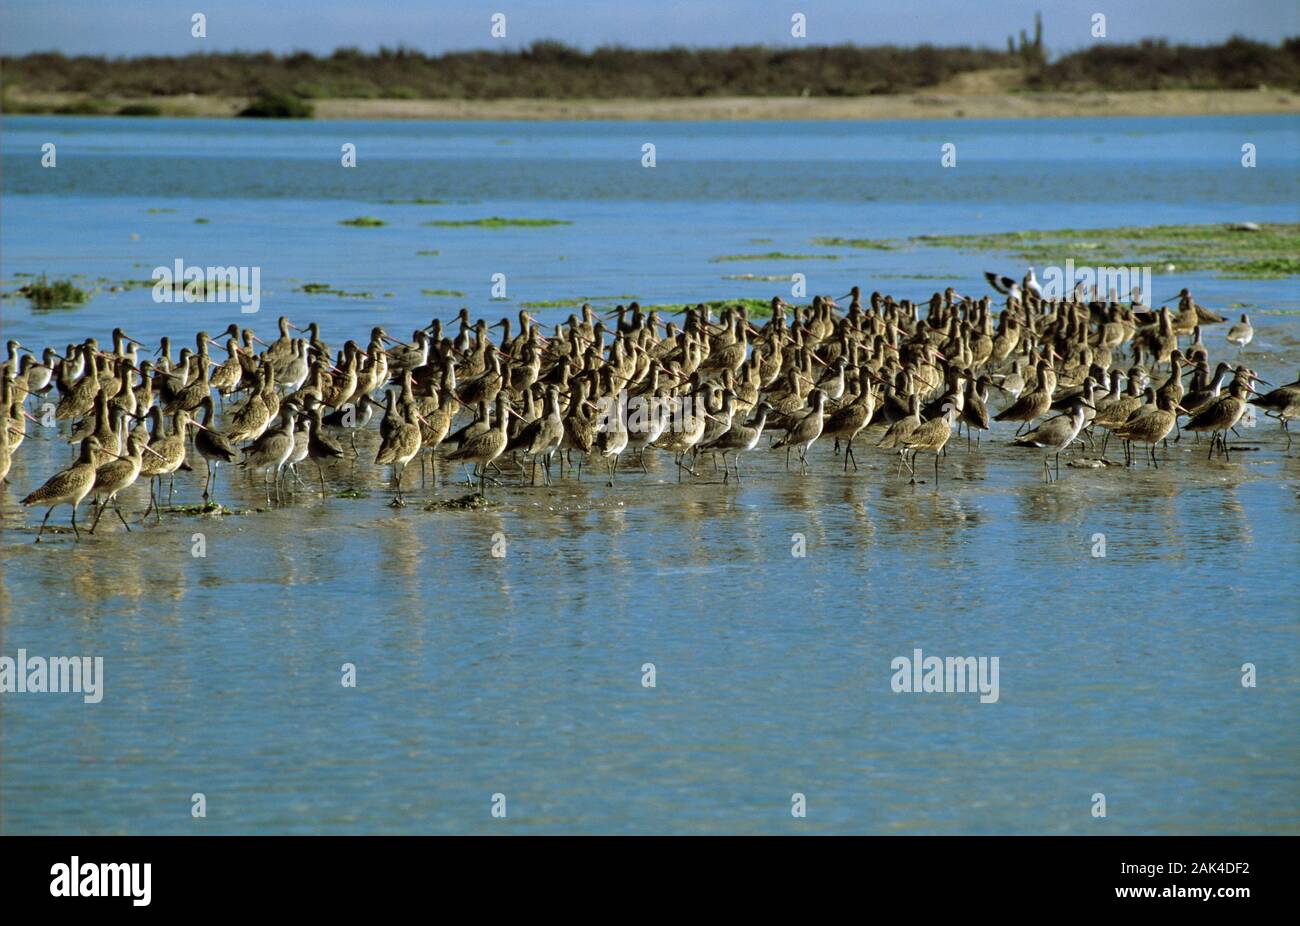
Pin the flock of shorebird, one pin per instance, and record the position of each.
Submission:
(600, 388)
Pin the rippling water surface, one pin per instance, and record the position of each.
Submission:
(522, 675)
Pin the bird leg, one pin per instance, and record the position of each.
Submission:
(398, 469)
(151, 498)
(47, 517)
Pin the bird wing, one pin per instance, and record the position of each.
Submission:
(1001, 283)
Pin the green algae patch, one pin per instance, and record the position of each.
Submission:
(59, 294)
(553, 304)
(575, 302)
(754, 307)
(1229, 250)
(325, 289)
(773, 255)
(1268, 268)
(871, 244)
(453, 293)
(496, 221)
(363, 221)
(208, 508)
(475, 501)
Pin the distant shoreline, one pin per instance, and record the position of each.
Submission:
(919, 105)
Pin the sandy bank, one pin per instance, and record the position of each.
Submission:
(933, 105)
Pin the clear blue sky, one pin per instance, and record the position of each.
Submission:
(138, 27)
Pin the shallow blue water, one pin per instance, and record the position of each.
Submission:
(522, 675)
